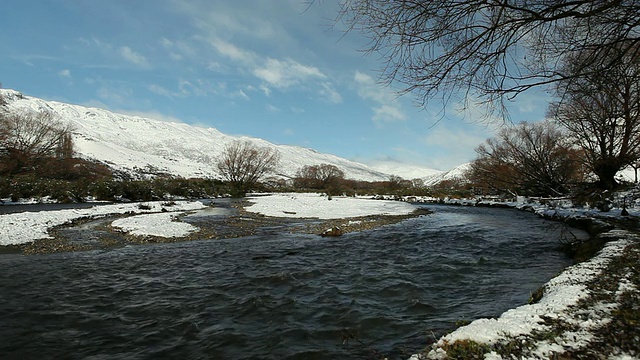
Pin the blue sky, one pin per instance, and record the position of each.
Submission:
(274, 69)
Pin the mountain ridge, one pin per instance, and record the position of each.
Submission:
(141, 146)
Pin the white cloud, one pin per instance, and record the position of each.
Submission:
(330, 93)
(196, 87)
(447, 137)
(272, 108)
(159, 90)
(387, 113)
(286, 73)
(66, 73)
(369, 89)
(265, 90)
(133, 57)
(233, 52)
(240, 94)
(362, 78)
(178, 50)
(455, 144)
(108, 50)
(218, 18)
(166, 43)
(533, 105)
(30, 59)
(253, 45)
(110, 95)
(388, 109)
(101, 45)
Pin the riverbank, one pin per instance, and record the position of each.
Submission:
(589, 311)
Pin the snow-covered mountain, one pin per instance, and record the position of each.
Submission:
(455, 174)
(405, 171)
(139, 146)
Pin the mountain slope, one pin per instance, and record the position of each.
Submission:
(140, 146)
(456, 174)
(405, 171)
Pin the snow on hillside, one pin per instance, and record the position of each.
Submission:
(405, 171)
(138, 145)
(456, 174)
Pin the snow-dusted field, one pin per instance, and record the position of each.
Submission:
(308, 205)
(161, 224)
(20, 228)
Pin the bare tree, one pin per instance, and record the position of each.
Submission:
(27, 138)
(492, 49)
(320, 176)
(417, 183)
(243, 164)
(395, 182)
(528, 159)
(602, 112)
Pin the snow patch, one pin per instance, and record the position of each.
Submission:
(25, 227)
(162, 225)
(309, 205)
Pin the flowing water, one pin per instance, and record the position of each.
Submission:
(276, 295)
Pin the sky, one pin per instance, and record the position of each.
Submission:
(281, 70)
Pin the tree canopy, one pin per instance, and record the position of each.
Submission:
(602, 112)
(27, 138)
(320, 176)
(534, 159)
(492, 50)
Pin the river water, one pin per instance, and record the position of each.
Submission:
(388, 292)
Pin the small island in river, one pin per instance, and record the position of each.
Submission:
(105, 226)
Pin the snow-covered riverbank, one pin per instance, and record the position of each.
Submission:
(583, 312)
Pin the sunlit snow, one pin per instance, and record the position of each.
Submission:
(24, 227)
(309, 205)
(138, 145)
(162, 225)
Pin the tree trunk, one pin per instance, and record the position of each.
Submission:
(606, 173)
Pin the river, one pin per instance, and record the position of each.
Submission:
(388, 291)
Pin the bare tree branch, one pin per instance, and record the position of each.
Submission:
(244, 164)
(530, 159)
(602, 112)
(29, 137)
(491, 49)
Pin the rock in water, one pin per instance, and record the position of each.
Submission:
(334, 231)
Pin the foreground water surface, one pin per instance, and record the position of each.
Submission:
(389, 291)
